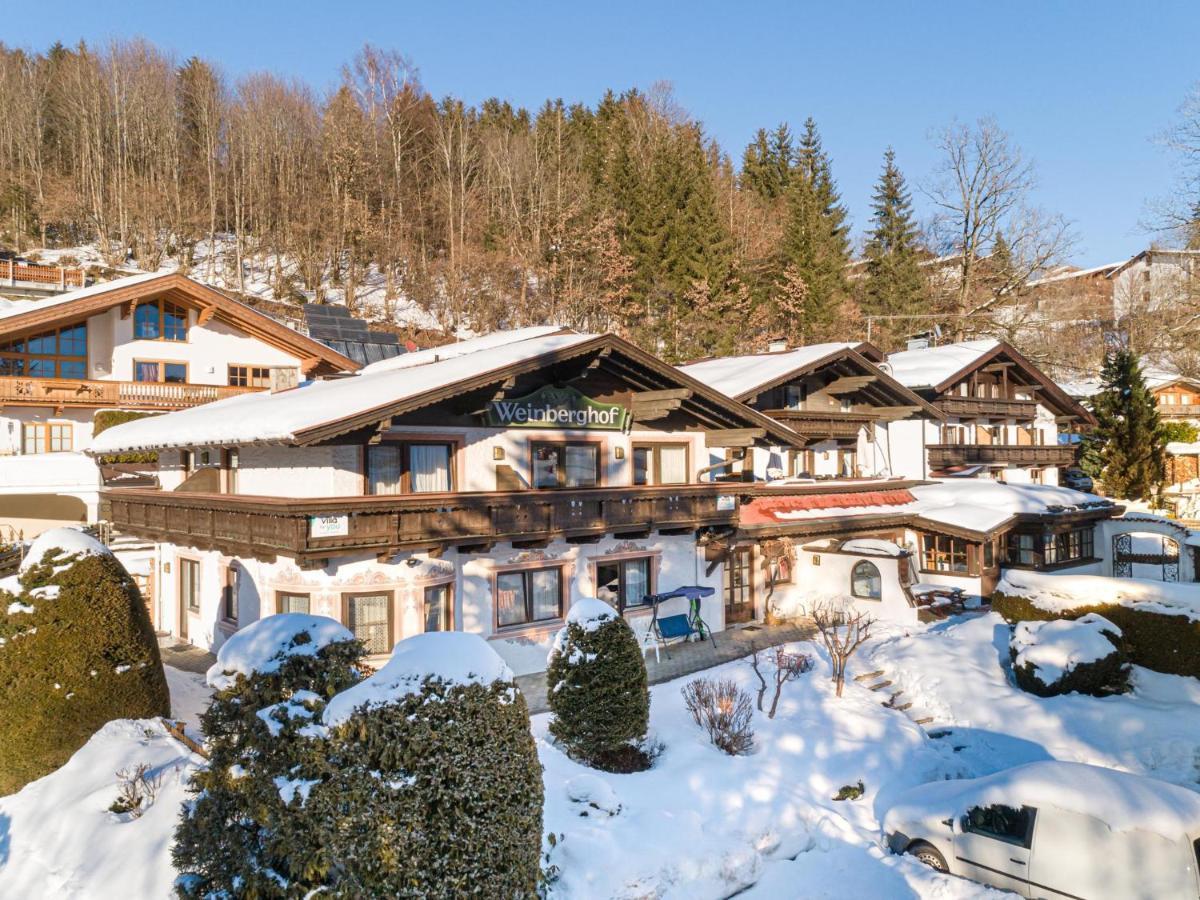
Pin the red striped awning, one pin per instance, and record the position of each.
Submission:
(764, 510)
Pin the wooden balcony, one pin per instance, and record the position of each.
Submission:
(821, 425)
(70, 392)
(971, 407)
(1179, 410)
(265, 527)
(53, 278)
(941, 455)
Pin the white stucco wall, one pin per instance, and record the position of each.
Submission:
(824, 576)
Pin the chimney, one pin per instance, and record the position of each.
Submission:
(777, 345)
(284, 378)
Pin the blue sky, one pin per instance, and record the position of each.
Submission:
(1082, 87)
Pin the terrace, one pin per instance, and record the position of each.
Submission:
(81, 392)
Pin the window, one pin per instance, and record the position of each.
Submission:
(286, 602)
(1050, 549)
(160, 321)
(1021, 550)
(47, 437)
(1004, 823)
(989, 554)
(945, 554)
(235, 462)
(409, 467)
(52, 354)
(229, 595)
(249, 376)
(794, 396)
(565, 465)
(189, 584)
(624, 583)
(528, 596)
(439, 607)
(660, 464)
(866, 582)
(369, 618)
(151, 370)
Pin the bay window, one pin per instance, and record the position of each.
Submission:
(565, 464)
(528, 596)
(624, 583)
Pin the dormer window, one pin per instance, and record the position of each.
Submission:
(160, 321)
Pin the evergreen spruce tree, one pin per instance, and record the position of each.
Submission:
(435, 787)
(895, 285)
(1126, 448)
(77, 650)
(596, 681)
(816, 237)
(245, 834)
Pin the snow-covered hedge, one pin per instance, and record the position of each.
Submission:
(1069, 655)
(434, 788)
(245, 832)
(596, 677)
(77, 650)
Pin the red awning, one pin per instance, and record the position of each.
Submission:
(767, 509)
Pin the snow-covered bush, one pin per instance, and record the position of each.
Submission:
(77, 650)
(435, 788)
(1058, 657)
(244, 832)
(724, 711)
(598, 692)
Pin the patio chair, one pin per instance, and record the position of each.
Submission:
(681, 626)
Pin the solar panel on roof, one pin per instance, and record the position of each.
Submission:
(337, 328)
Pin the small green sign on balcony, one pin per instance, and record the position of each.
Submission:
(563, 408)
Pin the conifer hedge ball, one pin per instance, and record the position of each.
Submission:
(77, 650)
(245, 832)
(435, 794)
(597, 685)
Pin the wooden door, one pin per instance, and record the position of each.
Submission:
(739, 586)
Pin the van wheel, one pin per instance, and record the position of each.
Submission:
(929, 855)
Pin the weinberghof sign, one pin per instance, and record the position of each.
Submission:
(552, 407)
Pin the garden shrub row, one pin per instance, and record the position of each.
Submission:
(1155, 640)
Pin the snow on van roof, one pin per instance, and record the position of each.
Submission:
(931, 366)
(18, 307)
(1122, 800)
(461, 348)
(735, 375)
(278, 417)
(975, 504)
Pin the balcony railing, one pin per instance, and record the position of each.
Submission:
(312, 529)
(1179, 410)
(14, 273)
(989, 454)
(987, 406)
(823, 425)
(125, 394)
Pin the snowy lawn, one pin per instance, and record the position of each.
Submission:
(699, 824)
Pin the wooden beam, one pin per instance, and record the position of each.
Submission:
(892, 413)
(649, 405)
(733, 437)
(666, 394)
(849, 383)
(206, 314)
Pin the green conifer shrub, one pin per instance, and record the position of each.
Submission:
(245, 833)
(77, 650)
(598, 689)
(435, 788)
(1109, 674)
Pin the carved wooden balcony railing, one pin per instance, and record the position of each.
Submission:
(64, 392)
(987, 406)
(1013, 454)
(821, 425)
(314, 529)
(1179, 410)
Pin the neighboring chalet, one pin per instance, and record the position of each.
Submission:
(139, 345)
(1177, 397)
(480, 486)
(1004, 418)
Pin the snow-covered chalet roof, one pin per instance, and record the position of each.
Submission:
(931, 366)
(18, 307)
(738, 375)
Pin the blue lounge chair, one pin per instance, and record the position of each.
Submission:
(681, 626)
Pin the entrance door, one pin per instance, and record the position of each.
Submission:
(739, 587)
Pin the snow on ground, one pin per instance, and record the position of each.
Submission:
(1059, 593)
(958, 673)
(57, 838)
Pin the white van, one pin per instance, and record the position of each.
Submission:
(1056, 830)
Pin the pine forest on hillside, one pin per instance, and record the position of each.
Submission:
(623, 216)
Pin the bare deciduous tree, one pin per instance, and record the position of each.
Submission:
(843, 630)
(786, 667)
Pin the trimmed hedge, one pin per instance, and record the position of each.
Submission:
(435, 794)
(1164, 643)
(238, 837)
(1100, 678)
(71, 663)
(597, 690)
(110, 418)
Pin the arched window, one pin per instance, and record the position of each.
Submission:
(866, 582)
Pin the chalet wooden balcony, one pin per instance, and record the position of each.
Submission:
(49, 277)
(79, 392)
(992, 407)
(1001, 454)
(265, 527)
(821, 425)
(1179, 410)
